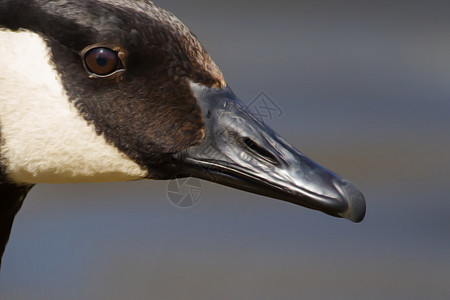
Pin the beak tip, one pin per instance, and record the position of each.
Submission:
(356, 203)
(357, 212)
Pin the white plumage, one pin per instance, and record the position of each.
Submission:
(45, 139)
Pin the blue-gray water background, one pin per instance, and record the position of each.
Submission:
(365, 91)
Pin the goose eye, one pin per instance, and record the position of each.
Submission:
(101, 61)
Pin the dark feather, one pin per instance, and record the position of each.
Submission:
(11, 199)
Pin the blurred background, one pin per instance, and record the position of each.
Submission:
(363, 87)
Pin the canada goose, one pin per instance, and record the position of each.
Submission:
(116, 90)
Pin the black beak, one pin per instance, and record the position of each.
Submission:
(242, 152)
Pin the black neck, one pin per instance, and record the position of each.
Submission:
(11, 199)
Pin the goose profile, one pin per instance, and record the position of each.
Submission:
(117, 90)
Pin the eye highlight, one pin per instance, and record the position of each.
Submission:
(100, 61)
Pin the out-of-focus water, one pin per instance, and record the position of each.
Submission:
(364, 90)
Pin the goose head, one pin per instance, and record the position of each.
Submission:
(103, 90)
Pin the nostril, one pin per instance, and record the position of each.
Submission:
(259, 151)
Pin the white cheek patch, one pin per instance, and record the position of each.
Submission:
(44, 137)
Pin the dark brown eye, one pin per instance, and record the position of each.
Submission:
(101, 61)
